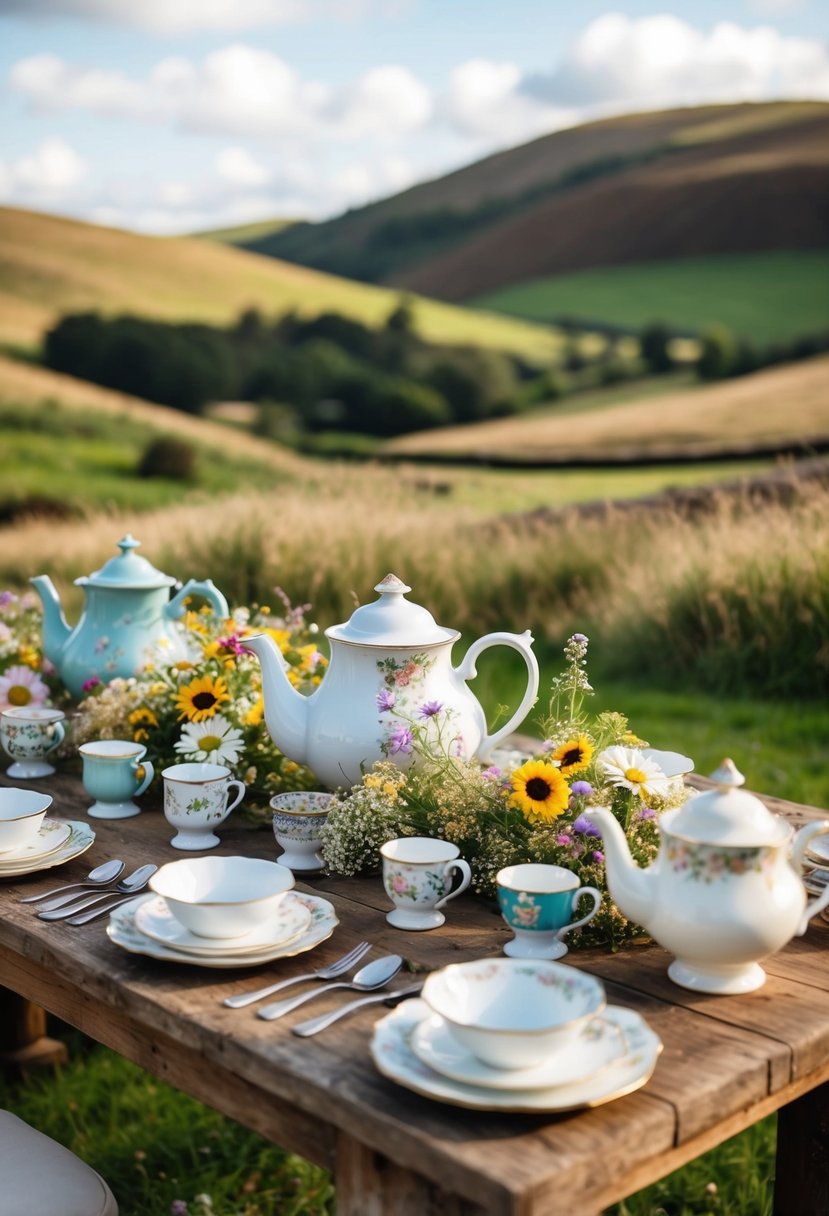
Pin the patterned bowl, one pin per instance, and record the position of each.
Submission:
(513, 1013)
(298, 818)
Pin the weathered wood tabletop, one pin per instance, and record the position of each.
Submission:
(727, 1061)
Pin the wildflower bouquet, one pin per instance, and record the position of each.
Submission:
(209, 706)
(26, 676)
(529, 811)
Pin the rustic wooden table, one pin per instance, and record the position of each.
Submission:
(727, 1062)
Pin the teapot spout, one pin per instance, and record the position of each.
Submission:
(56, 632)
(630, 887)
(286, 710)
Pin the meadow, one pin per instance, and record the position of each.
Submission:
(741, 291)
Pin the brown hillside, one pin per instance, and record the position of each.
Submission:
(759, 190)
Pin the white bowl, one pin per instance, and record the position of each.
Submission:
(510, 1012)
(222, 897)
(21, 815)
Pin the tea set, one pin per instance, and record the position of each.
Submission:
(519, 1033)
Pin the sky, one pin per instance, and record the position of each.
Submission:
(169, 116)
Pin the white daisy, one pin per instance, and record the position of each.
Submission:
(630, 769)
(216, 740)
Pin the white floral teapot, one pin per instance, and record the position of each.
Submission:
(725, 889)
(390, 682)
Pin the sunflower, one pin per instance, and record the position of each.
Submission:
(539, 790)
(139, 720)
(201, 698)
(573, 756)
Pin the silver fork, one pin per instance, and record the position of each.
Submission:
(331, 972)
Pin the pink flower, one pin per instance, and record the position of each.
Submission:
(89, 684)
(21, 686)
(398, 884)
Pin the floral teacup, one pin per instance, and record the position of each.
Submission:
(196, 800)
(29, 733)
(537, 902)
(298, 819)
(417, 876)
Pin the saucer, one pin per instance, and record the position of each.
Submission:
(124, 932)
(154, 919)
(600, 1044)
(81, 837)
(52, 834)
(394, 1058)
(818, 849)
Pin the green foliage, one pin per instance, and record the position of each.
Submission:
(168, 457)
(718, 353)
(654, 346)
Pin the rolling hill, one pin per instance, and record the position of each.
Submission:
(50, 266)
(640, 189)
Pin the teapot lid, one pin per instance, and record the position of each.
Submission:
(726, 815)
(392, 620)
(128, 571)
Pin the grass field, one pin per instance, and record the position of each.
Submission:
(741, 291)
(50, 266)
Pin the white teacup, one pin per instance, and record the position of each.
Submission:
(417, 876)
(29, 733)
(196, 800)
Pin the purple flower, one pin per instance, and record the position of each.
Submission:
(579, 637)
(430, 709)
(582, 789)
(385, 700)
(89, 684)
(564, 839)
(647, 813)
(598, 855)
(584, 826)
(492, 773)
(400, 740)
(231, 642)
(178, 1207)
(7, 597)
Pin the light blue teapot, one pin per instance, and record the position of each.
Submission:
(127, 615)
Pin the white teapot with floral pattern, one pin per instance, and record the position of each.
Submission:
(725, 889)
(390, 690)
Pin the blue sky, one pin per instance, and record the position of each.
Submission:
(171, 115)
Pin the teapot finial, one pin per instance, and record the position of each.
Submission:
(127, 543)
(391, 584)
(728, 776)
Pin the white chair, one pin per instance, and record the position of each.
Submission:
(39, 1177)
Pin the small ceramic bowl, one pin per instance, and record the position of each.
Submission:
(222, 897)
(297, 820)
(21, 814)
(513, 1013)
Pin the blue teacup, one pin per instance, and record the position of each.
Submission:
(537, 902)
(113, 773)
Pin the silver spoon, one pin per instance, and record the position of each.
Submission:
(373, 975)
(108, 871)
(130, 885)
(315, 1025)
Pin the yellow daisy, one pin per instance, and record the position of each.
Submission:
(201, 698)
(255, 715)
(540, 791)
(573, 756)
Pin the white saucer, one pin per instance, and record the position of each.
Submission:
(394, 1058)
(81, 837)
(600, 1043)
(818, 848)
(124, 932)
(51, 835)
(155, 920)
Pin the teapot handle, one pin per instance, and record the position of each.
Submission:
(193, 586)
(799, 846)
(522, 642)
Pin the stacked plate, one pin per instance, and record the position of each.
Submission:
(54, 843)
(146, 926)
(515, 1035)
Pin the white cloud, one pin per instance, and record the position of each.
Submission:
(485, 102)
(387, 101)
(237, 166)
(166, 17)
(49, 175)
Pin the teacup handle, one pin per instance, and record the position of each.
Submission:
(242, 788)
(463, 868)
(596, 898)
(149, 773)
(799, 846)
(59, 732)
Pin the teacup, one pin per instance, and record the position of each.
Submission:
(29, 733)
(417, 876)
(298, 818)
(196, 799)
(537, 902)
(113, 774)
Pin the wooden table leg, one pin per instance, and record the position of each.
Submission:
(23, 1040)
(368, 1184)
(801, 1185)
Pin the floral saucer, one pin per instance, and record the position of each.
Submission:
(80, 838)
(392, 1053)
(155, 920)
(124, 932)
(601, 1043)
(52, 834)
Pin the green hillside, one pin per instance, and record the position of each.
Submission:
(762, 296)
